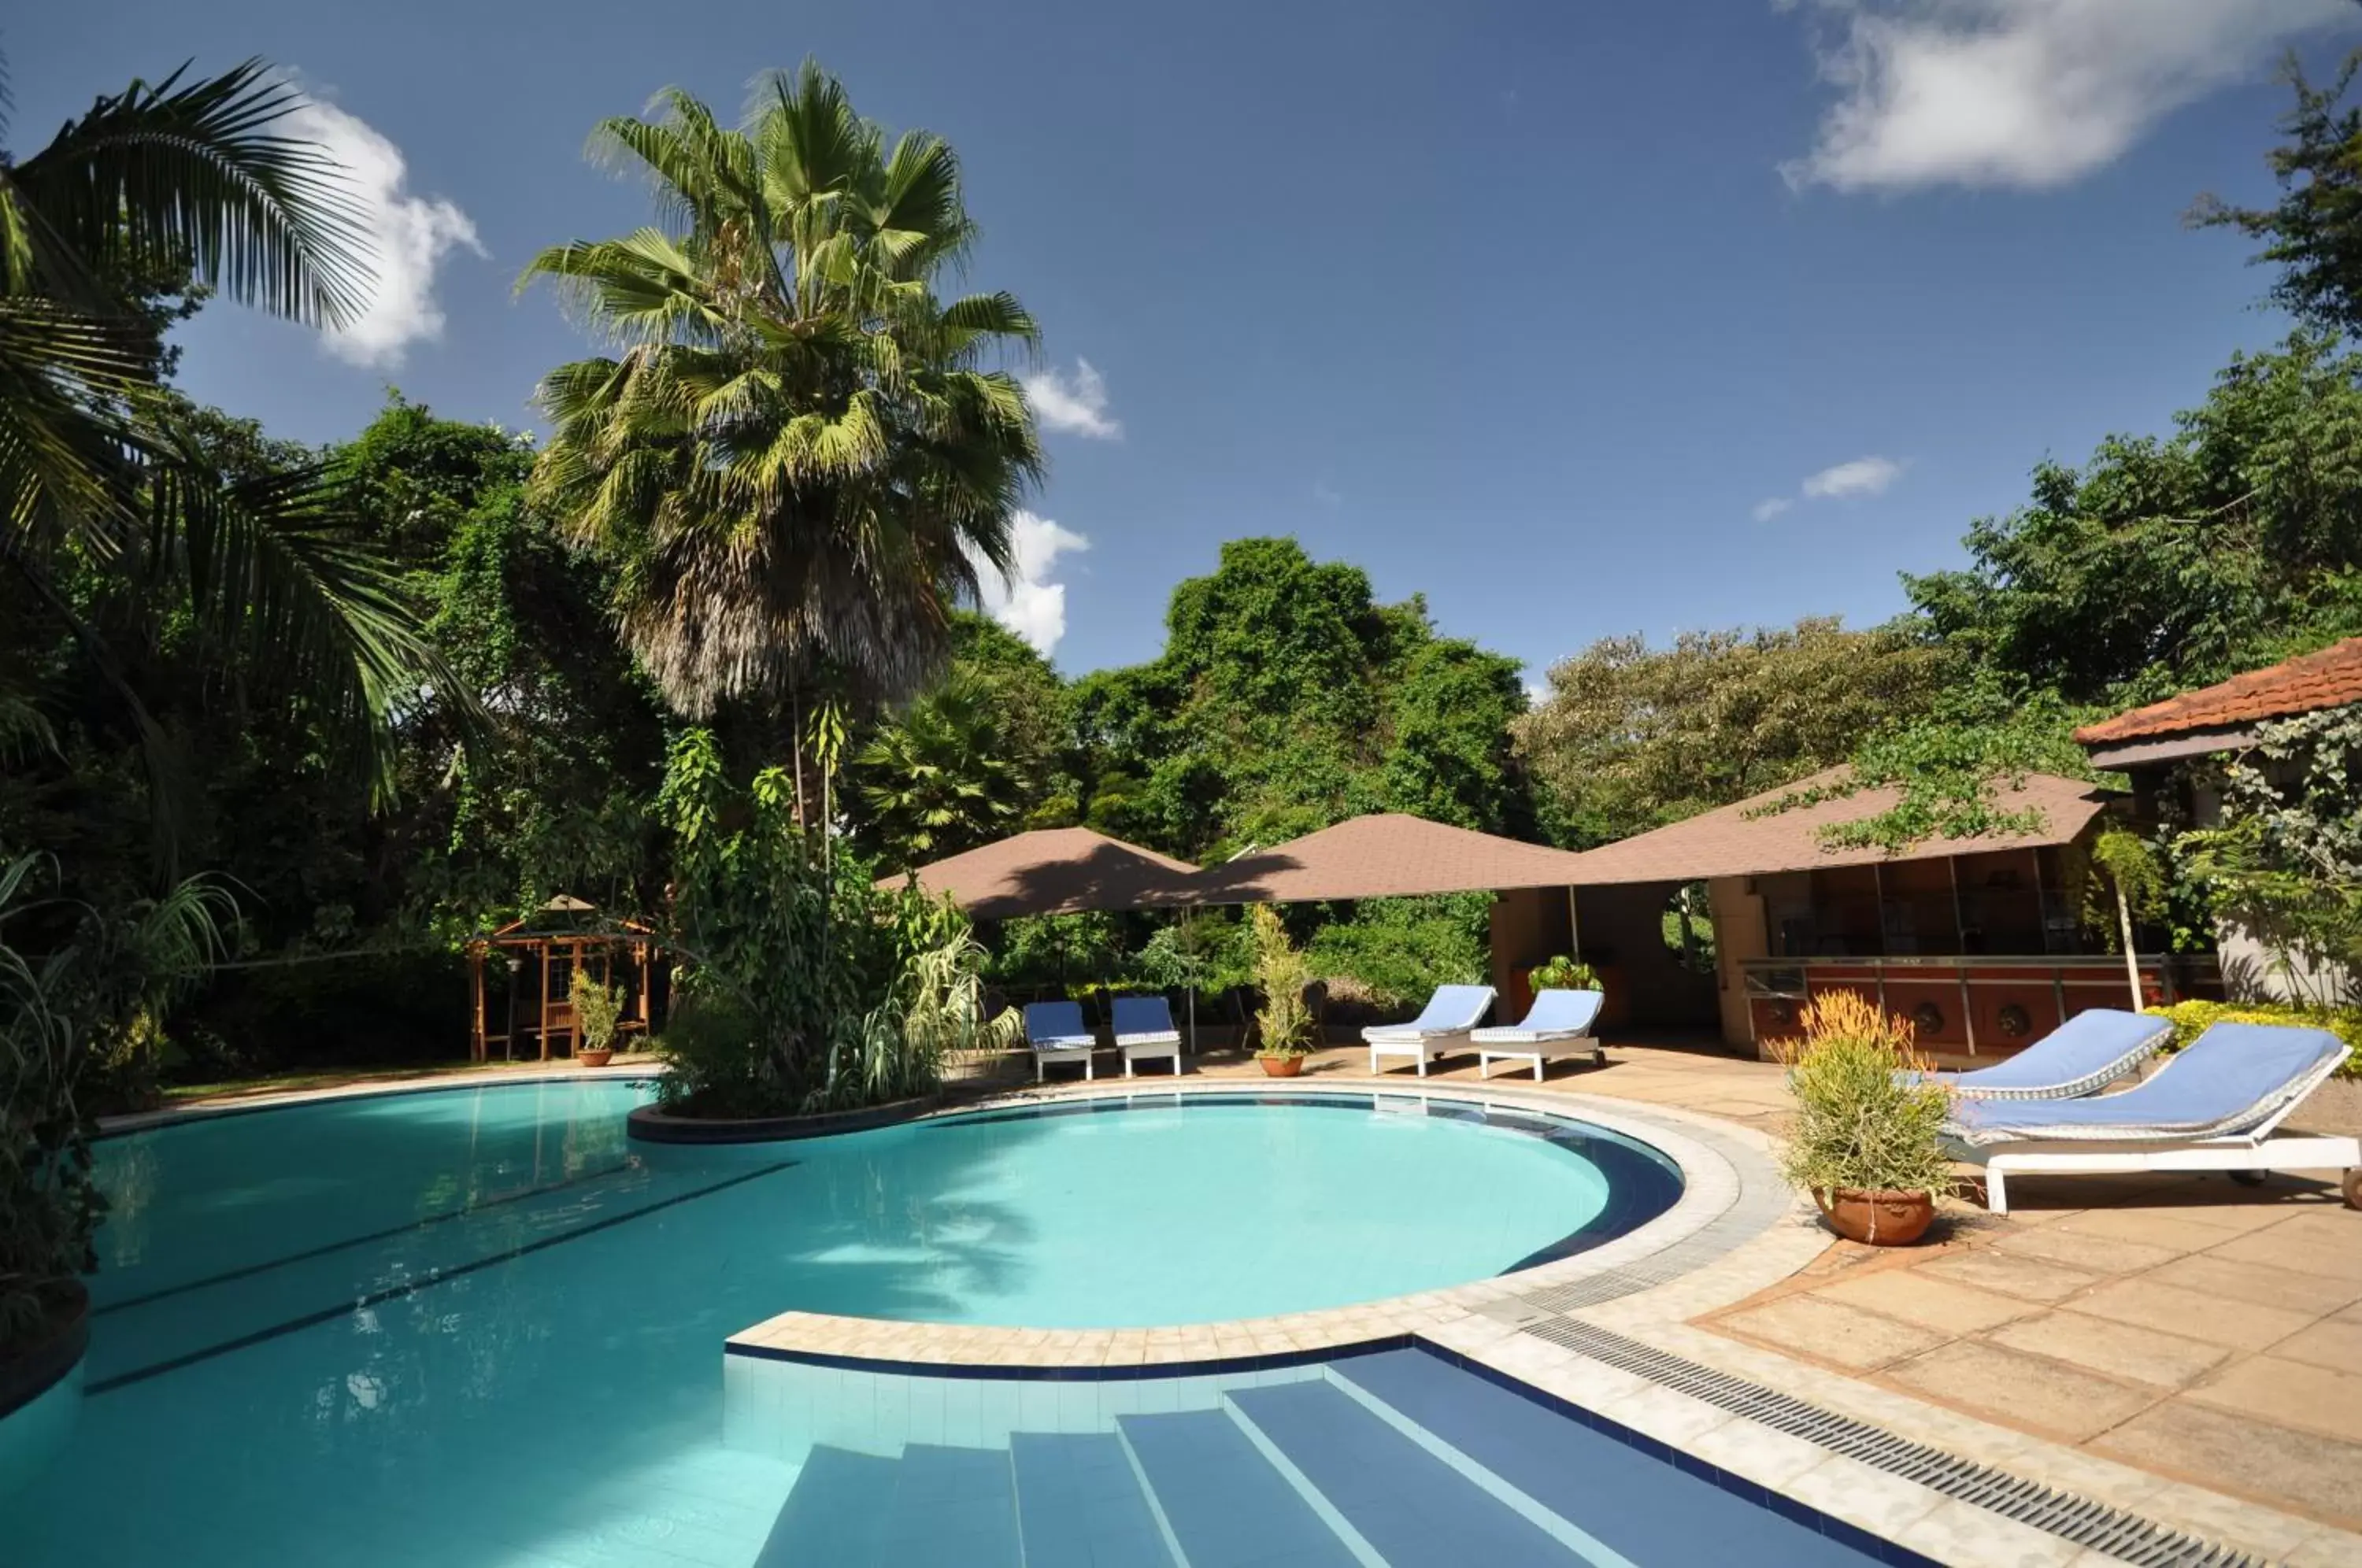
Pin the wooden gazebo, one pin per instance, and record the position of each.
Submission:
(543, 951)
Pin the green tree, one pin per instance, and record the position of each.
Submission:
(941, 778)
(2127, 881)
(165, 187)
(1632, 737)
(2314, 233)
(798, 461)
(1287, 699)
(2165, 564)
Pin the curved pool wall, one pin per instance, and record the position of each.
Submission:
(477, 1326)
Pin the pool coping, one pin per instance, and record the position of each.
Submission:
(1710, 1186)
(437, 1083)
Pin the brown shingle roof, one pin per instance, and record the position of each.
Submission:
(1380, 856)
(2329, 679)
(1732, 842)
(1054, 871)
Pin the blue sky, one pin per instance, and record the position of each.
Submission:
(1579, 319)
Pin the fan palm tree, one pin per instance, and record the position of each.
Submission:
(798, 456)
(942, 780)
(187, 180)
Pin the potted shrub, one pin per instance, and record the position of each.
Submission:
(1865, 1139)
(1563, 974)
(597, 1008)
(1282, 1024)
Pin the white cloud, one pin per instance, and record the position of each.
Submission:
(1076, 406)
(409, 235)
(2023, 92)
(1026, 600)
(1863, 476)
(1839, 481)
(1326, 496)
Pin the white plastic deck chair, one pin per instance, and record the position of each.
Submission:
(1054, 1032)
(2082, 1057)
(1144, 1031)
(1558, 1025)
(2212, 1108)
(1439, 1030)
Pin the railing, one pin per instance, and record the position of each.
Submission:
(1985, 1004)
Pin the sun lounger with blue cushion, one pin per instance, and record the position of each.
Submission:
(1056, 1032)
(1144, 1031)
(2083, 1056)
(1558, 1025)
(2212, 1108)
(1439, 1030)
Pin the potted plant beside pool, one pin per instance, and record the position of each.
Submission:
(1282, 1024)
(1864, 1141)
(597, 1008)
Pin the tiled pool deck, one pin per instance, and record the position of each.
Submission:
(2184, 1351)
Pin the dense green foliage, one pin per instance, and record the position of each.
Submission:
(2192, 1018)
(2314, 233)
(1287, 699)
(79, 987)
(2286, 859)
(1633, 737)
(2167, 563)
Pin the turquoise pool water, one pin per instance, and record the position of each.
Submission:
(480, 1327)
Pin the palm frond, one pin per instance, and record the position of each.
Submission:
(193, 172)
(271, 569)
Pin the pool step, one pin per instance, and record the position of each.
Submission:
(1413, 1509)
(1079, 1503)
(1227, 1505)
(1636, 1507)
(1393, 1460)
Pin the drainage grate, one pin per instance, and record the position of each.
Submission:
(2078, 1519)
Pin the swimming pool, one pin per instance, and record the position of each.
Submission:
(479, 1327)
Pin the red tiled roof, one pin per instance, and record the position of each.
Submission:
(1054, 871)
(2330, 678)
(1731, 841)
(1385, 856)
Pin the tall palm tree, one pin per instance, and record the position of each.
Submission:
(187, 180)
(799, 455)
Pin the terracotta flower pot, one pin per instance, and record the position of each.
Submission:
(1882, 1218)
(594, 1058)
(1282, 1066)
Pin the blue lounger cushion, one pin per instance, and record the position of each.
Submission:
(1145, 1021)
(1056, 1026)
(2234, 1078)
(2083, 1056)
(1452, 1009)
(1555, 1015)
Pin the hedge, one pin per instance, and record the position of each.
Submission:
(2190, 1020)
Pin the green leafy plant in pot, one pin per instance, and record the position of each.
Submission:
(1282, 1024)
(1865, 1140)
(1563, 974)
(598, 1009)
